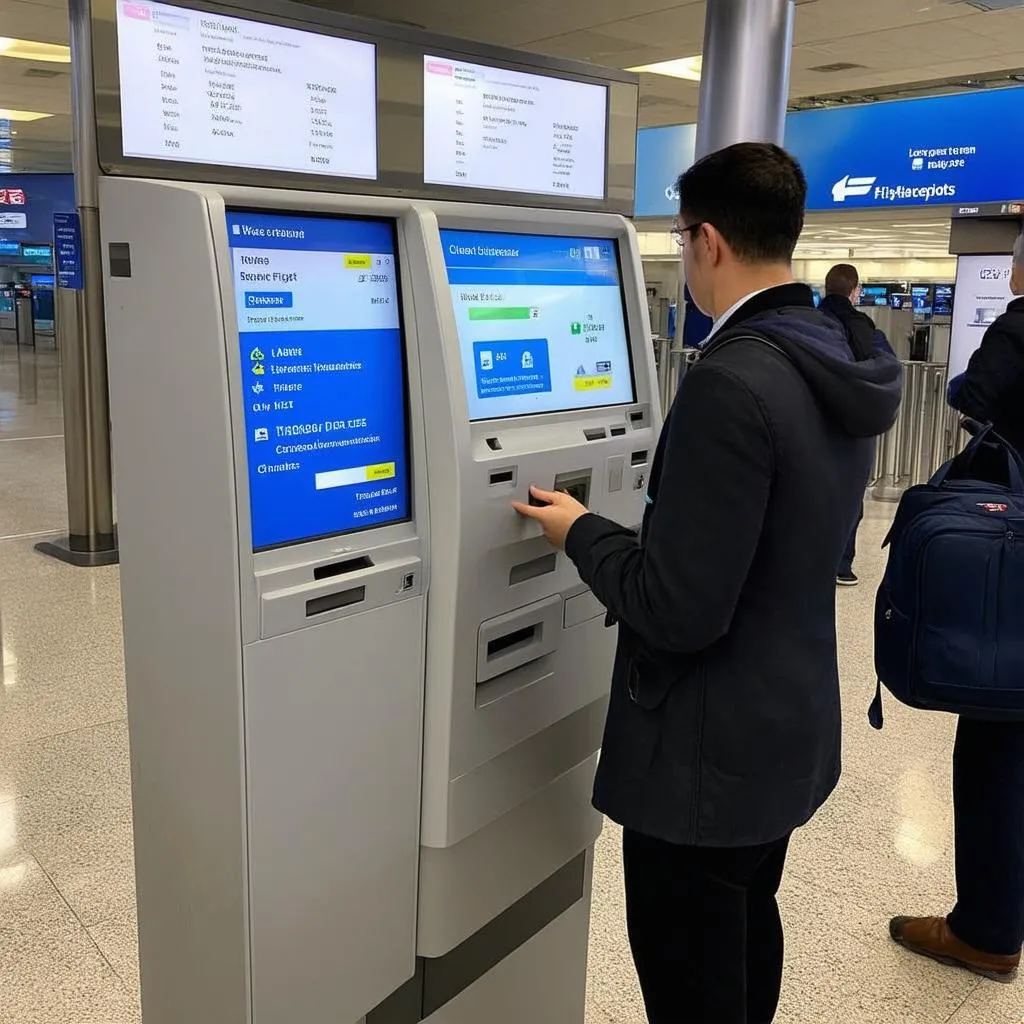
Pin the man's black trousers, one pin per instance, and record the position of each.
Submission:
(705, 929)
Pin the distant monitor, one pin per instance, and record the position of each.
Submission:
(37, 252)
(943, 304)
(488, 127)
(42, 280)
(323, 374)
(874, 295)
(899, 300)
(10, 248)
(208, 88)
(541, 322)
(921, 296)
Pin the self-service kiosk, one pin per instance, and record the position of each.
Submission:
(365, 698)
(323, 579)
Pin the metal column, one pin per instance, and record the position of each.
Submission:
(82, 337)
(744, 89)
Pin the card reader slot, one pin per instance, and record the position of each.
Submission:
(518, 637)
(332, 602)
(513, 641)
(639, 458)
(325, 572)
(532, 569)
(502, 476)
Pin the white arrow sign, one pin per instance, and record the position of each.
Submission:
(846, 188)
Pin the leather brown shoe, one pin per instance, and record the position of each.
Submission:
(932, 937)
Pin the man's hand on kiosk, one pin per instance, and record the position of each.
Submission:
(555, 511)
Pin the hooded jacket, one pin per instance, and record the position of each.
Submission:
(724, 722)
(864, 335)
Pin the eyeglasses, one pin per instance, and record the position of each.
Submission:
(680, 232)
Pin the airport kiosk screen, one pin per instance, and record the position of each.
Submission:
(323, 374)
(541, 322)
(943, 300)
(875, 295)
(206, 88)
(491, 128)
(921, 296)
(982, 295)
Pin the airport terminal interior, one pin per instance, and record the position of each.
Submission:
(350, 844)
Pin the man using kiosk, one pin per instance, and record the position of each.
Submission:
(723, 734)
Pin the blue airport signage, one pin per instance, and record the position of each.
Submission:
(67, 245)
(941, 150)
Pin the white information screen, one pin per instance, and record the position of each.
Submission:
(486, 127)
(204, 88)
(982, 294)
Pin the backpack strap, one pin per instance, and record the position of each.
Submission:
(875, 716)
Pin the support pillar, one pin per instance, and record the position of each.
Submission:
(92, 537)
(744, 87)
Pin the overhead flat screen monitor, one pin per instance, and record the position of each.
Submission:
(541, 322)
(323, 374)
(43, 280)
(874, 295)
(205, 88)
(921, 297)
(943, 305)
(491, 128)
(982, 295)
(900, 300)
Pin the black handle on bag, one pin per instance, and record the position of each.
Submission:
(983, 439)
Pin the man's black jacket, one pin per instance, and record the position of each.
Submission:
(724, 723)
(992, 389)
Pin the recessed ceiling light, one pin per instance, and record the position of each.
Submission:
(27, 49)
(688, 68)
(21, 115)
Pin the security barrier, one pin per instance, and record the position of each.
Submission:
(926, 433)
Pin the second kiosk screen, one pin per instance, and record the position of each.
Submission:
(541, 322)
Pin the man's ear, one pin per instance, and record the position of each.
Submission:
(717, 247)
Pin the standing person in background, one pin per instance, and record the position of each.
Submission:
(724, 727)
(842, 292)
(985, 931)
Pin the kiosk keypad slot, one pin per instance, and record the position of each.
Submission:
(575, 484)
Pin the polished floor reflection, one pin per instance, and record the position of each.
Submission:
(67, 920)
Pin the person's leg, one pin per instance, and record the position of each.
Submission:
(687, 914)
(988, 801)
(985, 931)
(850, 554)
(765, 941)
(687, 932)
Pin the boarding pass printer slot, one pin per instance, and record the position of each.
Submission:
(516, 638)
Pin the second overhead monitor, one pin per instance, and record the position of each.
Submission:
(488, 127)
(541, 322)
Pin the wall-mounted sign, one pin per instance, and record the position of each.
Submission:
(67, 242)
(942, 150)
(13, 197)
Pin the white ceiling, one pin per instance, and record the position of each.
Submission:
(896, 41)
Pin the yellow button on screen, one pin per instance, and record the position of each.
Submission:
(358, 261)
(382, 471)
(602, 383)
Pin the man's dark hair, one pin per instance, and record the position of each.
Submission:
(754, 193)
(842, 279)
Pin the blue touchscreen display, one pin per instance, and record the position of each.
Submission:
(323, 374)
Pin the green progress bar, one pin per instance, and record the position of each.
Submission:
(500, 313)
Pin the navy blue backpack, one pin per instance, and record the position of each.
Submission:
(949, 617)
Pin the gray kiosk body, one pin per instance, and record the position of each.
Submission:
(351, 799)
(365, 698)
(541, 372)
(275, 698)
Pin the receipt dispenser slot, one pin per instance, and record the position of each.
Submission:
(517, 638)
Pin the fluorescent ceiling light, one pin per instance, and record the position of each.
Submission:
(26, 49)
(688, 68)
(21, 115)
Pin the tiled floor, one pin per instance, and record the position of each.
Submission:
(67, 925)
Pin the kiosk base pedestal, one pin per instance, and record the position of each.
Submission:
(64, 550)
